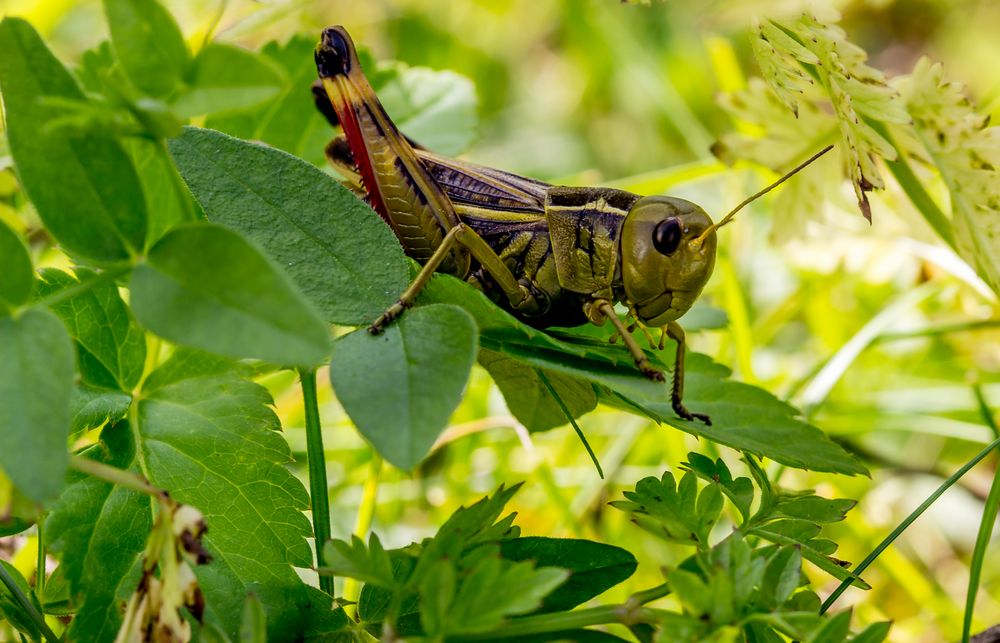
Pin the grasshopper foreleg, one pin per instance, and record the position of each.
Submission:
(520, 296)
(676, 333)
(607, 311)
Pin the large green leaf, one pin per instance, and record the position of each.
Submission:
(594, 567)
(36, 383)
(111, 347)
(339, 253)
(16, 274)
(206, 434)
(225, 78)
(67, 177)
(149, 45)
(205, 286)
(401, 387)
(529, 400)
(743, 416)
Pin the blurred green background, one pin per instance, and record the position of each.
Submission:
(878, 332)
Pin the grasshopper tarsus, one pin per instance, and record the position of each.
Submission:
(684, 414)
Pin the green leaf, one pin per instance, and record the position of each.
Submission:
(206, 433)
(401, 387)
(226, 78)
(326, 621)
(691, 591)
(36, 384)
(834, 630)
(674, 511)
(815, 508)
(949, 133)
(782, 574)
(341, 255)
(12, 610)
(109, 526)
(17, 276)
(528, 399)
(287, 122)
(253, 621)
(149, 45)
(874, 633)
(744, 417)
(370, 564)
(594, 567)
(92, 407)
(111, 348)
(205, 286)
(739, 490)
(66, 177)
(490, 591)
(435, 108)
(164, 202)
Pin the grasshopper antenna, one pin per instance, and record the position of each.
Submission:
(729, 217)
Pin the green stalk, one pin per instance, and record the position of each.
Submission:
(29, 607)
(985, 525)
(366, 515)
(916, 513)
(318, 489)
(114, 475)
(40, 559)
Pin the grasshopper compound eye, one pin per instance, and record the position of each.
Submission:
(667, 236)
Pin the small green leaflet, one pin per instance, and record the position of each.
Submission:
(401, 387)
(149, 45)
(17, 276)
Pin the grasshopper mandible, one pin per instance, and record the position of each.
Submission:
(550, 255)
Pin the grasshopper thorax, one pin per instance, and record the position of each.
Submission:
(665, 262)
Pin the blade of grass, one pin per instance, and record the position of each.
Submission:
(985, 525)
(318, 488)
(572, 420)
(916, 513)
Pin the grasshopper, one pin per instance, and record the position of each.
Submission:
(550, 255)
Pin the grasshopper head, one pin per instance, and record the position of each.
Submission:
(665, 260)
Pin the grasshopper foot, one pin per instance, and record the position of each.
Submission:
(684, 414)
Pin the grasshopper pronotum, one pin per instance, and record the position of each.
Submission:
(551, 255)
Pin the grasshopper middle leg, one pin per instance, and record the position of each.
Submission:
(461, 235)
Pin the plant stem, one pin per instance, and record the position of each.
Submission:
(318, 491)
(40, 560)
(114, 475)
(27, 606)
(916, 513)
